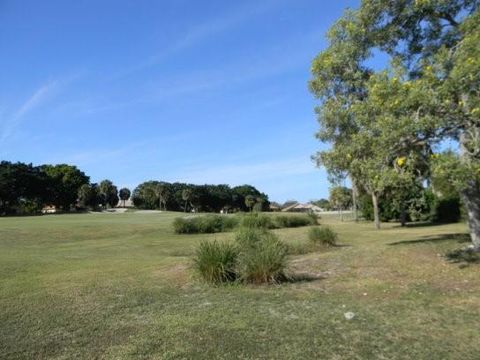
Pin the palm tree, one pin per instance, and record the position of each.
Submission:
(162, 194)
(124, 195)
(186, 196)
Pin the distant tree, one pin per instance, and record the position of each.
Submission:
(161, 190)
(250, 201)
(186, 197)
(23, 188)
(322, 203)
(124, 194)
(109, 193)
(64, 183)
(340, 197)
(258, 204)
(89, 196)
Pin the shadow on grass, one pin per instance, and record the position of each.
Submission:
(459, 237)
(302, 278)
(463, 256)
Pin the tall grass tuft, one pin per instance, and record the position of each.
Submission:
(206, 224)
(288, 221)
(262, 256)
(257, 220)
(323, 236)
(215, 261)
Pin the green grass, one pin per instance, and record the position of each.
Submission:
(110, 286)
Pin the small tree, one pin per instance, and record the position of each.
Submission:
(250, 201)
(109, 193)
(124, 195)
(161, 192)
(186, 196)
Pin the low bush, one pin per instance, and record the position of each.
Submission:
(215, 261)
(323, 236)
(248, 237)
(206, 224)
(262, 257)
(446, 210)
(257, 220)
(297, 220)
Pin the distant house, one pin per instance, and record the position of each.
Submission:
(275, 207)
(303, 208)
(49, 209)
(128, 204)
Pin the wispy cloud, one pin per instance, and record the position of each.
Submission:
(12, 120)
(38, 97)
(203, 31)
(247, 173)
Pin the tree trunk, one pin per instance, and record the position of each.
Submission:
(376, 214)
(471, 200)
(471, 194)
(185, 207)
(354, 200)
(403, 216)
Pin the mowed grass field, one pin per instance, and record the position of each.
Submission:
(119, 286)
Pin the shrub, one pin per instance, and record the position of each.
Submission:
(257, 220)
(264, 260)
(184, 226)
(287, 221)
(207, 224)
(248, 237)
(446, 210)
(216, 261)
(323, 235)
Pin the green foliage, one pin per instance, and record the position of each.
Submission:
(108, 193)
(340, 197)
(446, 210)
(323, 236)
(124, 194)
(257, 220)
(205, 224)
(215, 261)
(203, 198)
(295, 220)
(262, 256)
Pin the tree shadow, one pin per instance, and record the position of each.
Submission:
(458, 237)
(419, 224)
(463, 256)
(302, 277)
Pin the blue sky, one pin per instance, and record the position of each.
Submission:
(175, 90)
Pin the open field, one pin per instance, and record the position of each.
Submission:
(119, 286)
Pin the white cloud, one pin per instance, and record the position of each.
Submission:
(36, 99)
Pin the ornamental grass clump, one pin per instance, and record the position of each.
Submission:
(215, 261)
(262, 257)
(257, 220)
(207, 224)
(297, 220)
(322, 236)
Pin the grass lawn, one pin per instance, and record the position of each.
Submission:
(118, 286)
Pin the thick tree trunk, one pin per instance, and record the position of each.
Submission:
(376, 213)
(471, 200)
(471, 194)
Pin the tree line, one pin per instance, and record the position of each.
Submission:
(201, 198)
(27, 189)
(384, 126)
